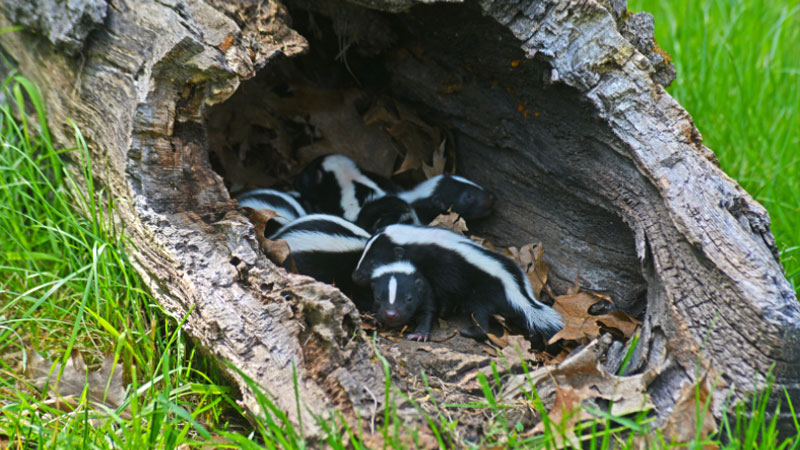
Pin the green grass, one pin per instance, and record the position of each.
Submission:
(738, 68)
(66, 283)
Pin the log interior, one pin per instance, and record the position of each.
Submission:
(526, 137)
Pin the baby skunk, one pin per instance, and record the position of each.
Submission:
(464, 276)
(334, 184)
(400, 293)
(284, 204)
(386, 210)
(327, 248)
(438, 194)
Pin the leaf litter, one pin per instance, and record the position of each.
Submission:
(277, 251)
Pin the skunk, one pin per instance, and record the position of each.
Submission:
(334, 184)
(464, 276)
(386, 210)
(284, 204)
(401, 293)
(442, 192)
(327, 248)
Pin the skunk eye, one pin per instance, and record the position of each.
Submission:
(409, 298)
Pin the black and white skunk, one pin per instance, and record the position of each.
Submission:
(464, 276)
(334, 184)
(327, 248)
(386, 210)
(442, 192)
(284, 204)
(402, 293)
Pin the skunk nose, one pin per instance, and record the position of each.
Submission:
(390, 314)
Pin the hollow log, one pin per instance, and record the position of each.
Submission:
(556, 105)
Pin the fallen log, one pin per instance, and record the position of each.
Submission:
(558, 106)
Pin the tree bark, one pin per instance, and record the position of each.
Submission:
(588, 152)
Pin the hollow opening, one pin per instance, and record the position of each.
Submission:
(376, 86)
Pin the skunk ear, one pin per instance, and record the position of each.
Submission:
(319, 175)
(399, 252)
(418, 283)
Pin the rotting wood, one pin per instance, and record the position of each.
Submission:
(592, 157)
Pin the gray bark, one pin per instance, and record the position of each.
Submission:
(605, 168)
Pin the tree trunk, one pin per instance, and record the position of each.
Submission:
(555, 105)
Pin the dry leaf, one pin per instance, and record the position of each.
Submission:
(104, 386)
(417, 142)
(412, 161)
(519, 349)
(557, 359)
(581, 377)
(277, 251)
(566, 413)
(580, 325)
(382, 113)
(483, 242)
(452, 334)
(500, 341)
(491, 351)
(259, 218)
(529, 257)
(681, 425)
(575, 288)
(338, 127)
(450, 221)
(438, 163)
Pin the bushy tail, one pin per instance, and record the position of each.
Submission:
(542, 320)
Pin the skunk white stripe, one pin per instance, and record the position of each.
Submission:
(422, 190)
(251, 200)
(404, 267)
(353, 228)
(346, 172)
(464, 180)
(314, 241)
(427, 187)
(287, 197)
(392, 289)
(410, 235)
(366, 249)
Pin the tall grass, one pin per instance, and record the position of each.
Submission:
(738, 65)
(66, 285)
